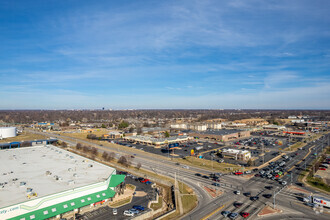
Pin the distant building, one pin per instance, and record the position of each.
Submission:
(221, 135)
(274, 127)
(149, 140)
(236, 154)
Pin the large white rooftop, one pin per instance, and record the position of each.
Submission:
(46, 170)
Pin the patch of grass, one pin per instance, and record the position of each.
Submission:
(295, 146)
(130, 186)
(318, 183)
(121, 202)
(158, 205)
(24, 136)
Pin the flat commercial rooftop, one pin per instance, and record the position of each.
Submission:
(46, 170)
(219, 132)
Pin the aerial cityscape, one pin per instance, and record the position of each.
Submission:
(179, 109)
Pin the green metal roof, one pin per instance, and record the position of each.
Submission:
(116, 180)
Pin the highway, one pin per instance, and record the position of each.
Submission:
(211, 208)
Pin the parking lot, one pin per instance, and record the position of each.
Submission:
(105, 212)
(183, 150)
(263, 147)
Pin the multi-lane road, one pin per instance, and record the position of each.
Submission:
(211, 208)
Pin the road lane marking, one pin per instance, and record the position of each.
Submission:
(212, 213)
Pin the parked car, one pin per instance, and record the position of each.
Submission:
(245, 214)
(138, 207)
(114, 211)
(145, 180)
(128, 213)
(238, 204)
(237, 192)
(225, 213)
(135, 211)
(267, 196)
(254, 198)
(238, 173)
(233, 215)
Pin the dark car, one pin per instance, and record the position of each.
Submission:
(269, 187)
(268, 196)
(138, 207)
(198, 174)
(238, 204)
(206, 177)
(247, 194)
(254, 198)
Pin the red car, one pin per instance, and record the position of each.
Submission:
(238, 173)
(245, 214)
(145, 180)
(277, 176)
(322, 168)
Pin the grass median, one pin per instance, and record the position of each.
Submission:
(24, 136)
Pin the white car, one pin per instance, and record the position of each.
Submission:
(284, 183)
(248, 171)
(185, 167)
(237, 192)
(128, 213)
(114, 211)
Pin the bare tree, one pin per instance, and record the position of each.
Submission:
(79, 146)
(85, 149)
(94, 151)
(122, 160)
(138, 166)
(111, 156)
(105, 155)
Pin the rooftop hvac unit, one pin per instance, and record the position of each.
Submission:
(22, 184)
(67, 155)
(48, 173)
(70, 169)
(60, 152)
(75, 175)
(15, 179)
(71, 182)
(55, 177)
(71, 157)
(90, 165)
(28, 190)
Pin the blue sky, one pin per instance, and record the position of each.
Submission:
(164, 54)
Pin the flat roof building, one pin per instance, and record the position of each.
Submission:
(221, 135)
(41, 182)
(236, 154)
(149, 140)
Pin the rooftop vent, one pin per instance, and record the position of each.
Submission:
(71, 182)
(70, 169)
(90, 165)
(75, 175)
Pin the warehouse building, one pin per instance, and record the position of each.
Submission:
(236, 154)
(7, 132)
(221, 135)
(41, 182)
